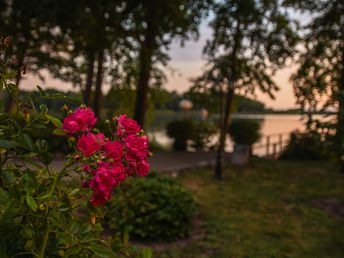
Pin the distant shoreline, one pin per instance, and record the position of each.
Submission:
(277, 112)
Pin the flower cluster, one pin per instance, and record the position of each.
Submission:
(108, 161)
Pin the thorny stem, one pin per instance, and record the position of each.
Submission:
(47, 225)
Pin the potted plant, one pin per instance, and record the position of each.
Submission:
(244, 133)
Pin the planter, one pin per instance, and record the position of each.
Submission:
(241, 154)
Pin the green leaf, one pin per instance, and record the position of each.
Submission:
(126, 237)
(85, 228)
(147, 253)
(25, 141)
(10, 75)
(45, 196)
(31, 202)
(6, 144)
(43, 108)
(55, 121)
(64, 207)
(59, 132)
(101, 251)
(75, 191)
(41, 91)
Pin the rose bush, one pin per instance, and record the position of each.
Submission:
(49, 213)
(111, 160)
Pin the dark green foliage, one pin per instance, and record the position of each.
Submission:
(37, 206)
(245, 104)
(310, 145)
(210, 100)
(319, 81)
(181, 131)
(203, 133)
(244, 131)
(251, 40)
(152, 208)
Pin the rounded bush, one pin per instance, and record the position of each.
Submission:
(152, 208)
(181, 131)
(244, 131)
(309, 145)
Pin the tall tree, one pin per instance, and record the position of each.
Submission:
(251, 40)
(319, 81)
(27, 22)
(155, 24)
(95, 42)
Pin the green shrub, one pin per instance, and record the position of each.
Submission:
(244, 131)
(152, 208)
(181, 131)
(154, 146)
(203, 133)
(309, 145)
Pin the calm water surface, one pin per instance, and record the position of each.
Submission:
(272, 125)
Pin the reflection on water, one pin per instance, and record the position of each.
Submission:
(272, 125)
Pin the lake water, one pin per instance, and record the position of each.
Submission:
(277, 127)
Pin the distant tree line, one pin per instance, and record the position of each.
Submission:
(120, 100)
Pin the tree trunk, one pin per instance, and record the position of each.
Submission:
(224, 129)
(231, 79)
(9, 103)
(89, 80)
(340, 119)
(146, 52)
(99, 81)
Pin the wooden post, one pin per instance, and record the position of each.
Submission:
(267, 146)
(280, 140)
(274, 150)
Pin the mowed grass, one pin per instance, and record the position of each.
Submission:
(265, 210)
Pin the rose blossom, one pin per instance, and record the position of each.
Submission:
(137, 146)
(113, 150)
(143, 168)
(119, 171)
(90, 143)
(128, 125)
(81, 120)
(102, 184)
(106, 177)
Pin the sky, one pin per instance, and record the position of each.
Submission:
(187, 62)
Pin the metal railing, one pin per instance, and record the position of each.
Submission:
(271, 146)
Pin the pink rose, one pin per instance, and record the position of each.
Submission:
(81, 120)
(86, 168)
(143, 168)
(106, 177)
(128, 125)
(137, 146)
(114, 150)
(119, 172)
(90, 143)
(102, 184)
(131, 164)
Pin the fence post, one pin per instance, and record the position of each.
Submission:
(274, 151)
(267, 146)
(280, 140)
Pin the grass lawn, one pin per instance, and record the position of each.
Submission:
(265, 210)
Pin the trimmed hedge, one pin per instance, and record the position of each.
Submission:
(152, 208)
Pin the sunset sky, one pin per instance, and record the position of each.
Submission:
(188, 63)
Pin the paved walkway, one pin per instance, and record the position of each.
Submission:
(177, 161)
(172, 161)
